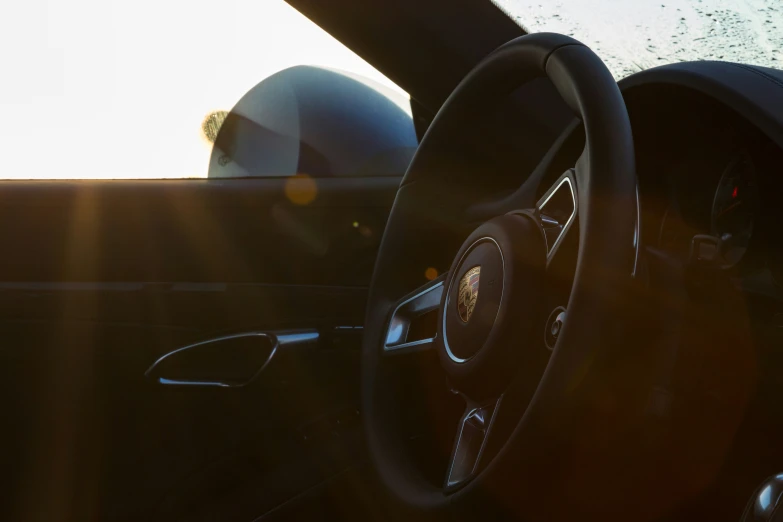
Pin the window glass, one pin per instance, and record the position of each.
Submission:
(138, 89)
(633, 35)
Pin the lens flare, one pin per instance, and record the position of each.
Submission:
(301, 189)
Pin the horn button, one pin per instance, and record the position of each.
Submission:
(474, 299)
(492, 291)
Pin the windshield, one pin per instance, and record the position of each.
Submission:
(632, 35)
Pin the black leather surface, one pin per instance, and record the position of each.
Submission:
(756, 93)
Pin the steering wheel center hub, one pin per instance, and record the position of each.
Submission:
(474, 298)
(491, 291)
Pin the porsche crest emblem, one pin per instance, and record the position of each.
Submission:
(468, 293)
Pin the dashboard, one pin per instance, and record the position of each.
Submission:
(711, 184)
(733, 211)
(710, 173)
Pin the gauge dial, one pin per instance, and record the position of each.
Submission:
(734, 209)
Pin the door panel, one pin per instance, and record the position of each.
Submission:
(244, 230)
(101, 279)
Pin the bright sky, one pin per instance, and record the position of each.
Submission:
(119, 89)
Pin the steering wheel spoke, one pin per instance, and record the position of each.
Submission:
(469, 442)
(557, 211)
(413, 323)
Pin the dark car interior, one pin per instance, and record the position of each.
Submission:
(281, 347)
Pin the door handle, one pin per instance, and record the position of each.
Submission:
(231, 361)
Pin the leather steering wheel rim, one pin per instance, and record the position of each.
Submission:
(427, 199)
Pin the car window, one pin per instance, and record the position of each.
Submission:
(120, 89)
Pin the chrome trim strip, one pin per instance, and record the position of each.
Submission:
(540, 207)
(204, 384)
(411, 344)
(393, 343)
(637, 239)
(278, 339)
(465, 417)
(295, 337)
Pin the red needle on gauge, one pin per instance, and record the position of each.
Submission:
(733, 205)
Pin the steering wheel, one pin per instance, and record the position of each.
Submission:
(527, 372)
